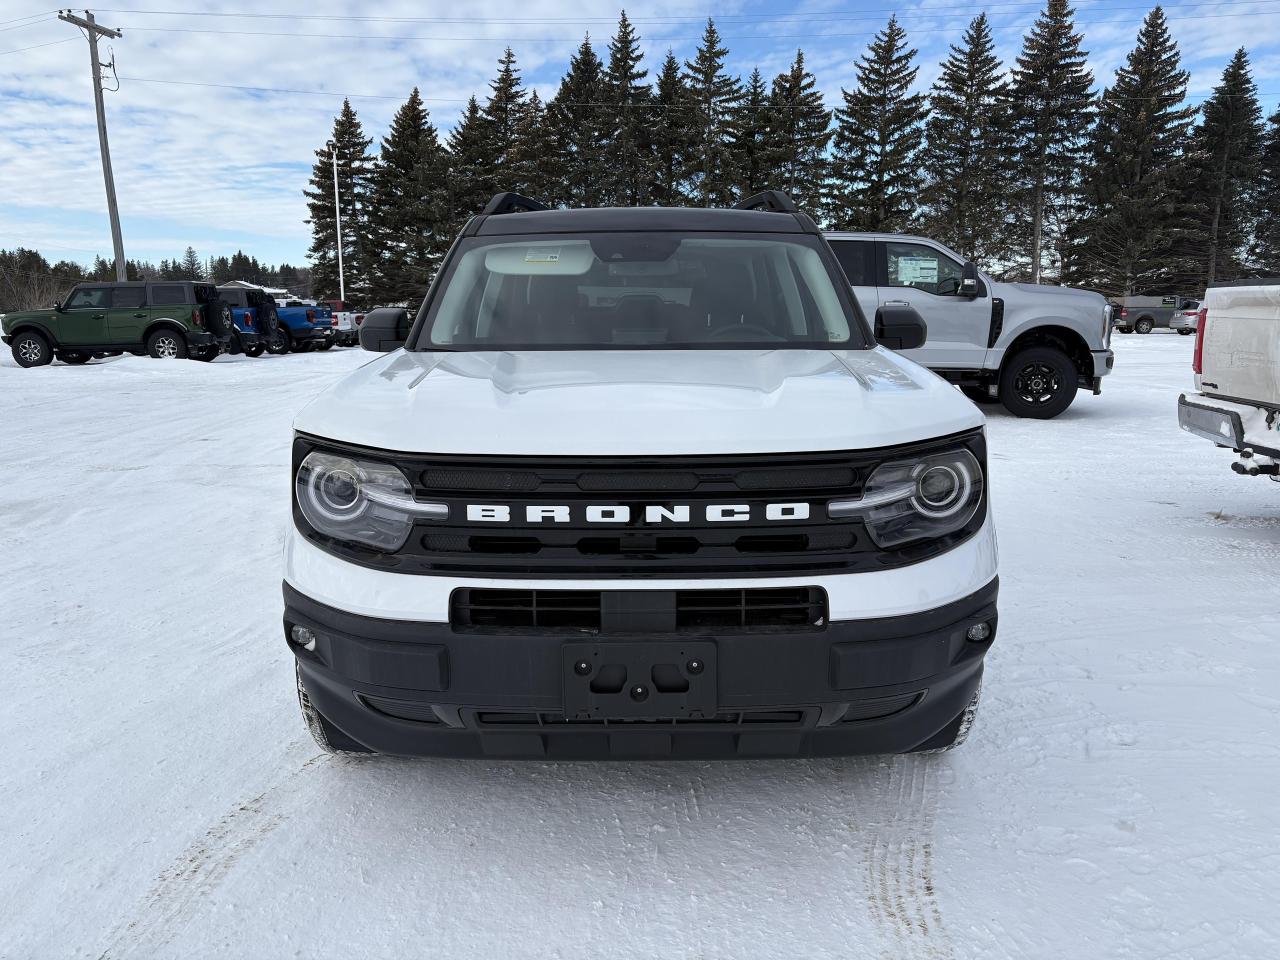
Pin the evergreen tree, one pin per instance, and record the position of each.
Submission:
(672, 138)
(876, 175)
(192, 268)
(535, 170)
(799, 131)
(1052, 110)
(1128, 238)
(965, 159)
(628, 151)
(1229, 159)
(351, 147)
(470, 182)
(752, 156)
(408, 198)
(580, 123)
(502, 116)
(712, 98)
(1266, 243)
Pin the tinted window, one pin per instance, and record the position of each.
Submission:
(85, 297)
(163, 295)
(855, 259)
(921, 267)
(128, 298)
(633, 290)
(237, 298)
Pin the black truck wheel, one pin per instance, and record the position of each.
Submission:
(30, 349)
(1145, 325)
(167, 345)
(1038, 382)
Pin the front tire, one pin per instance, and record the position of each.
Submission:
(255, 350)
(1185, 332)
(167, 345)
(327, 737)
(30, 349)
(1038, 382)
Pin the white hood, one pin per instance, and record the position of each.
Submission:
(638, 402)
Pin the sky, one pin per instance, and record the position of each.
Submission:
(200, 160)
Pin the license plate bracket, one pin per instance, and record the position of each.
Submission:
(639, 680)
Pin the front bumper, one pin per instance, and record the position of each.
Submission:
(884, 685)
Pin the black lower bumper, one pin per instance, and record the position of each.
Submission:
(889, 685)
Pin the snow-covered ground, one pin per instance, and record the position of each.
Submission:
(159, 796)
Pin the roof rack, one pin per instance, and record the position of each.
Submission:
(770, 201)
(510, 202)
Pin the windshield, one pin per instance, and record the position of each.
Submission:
(627, 291)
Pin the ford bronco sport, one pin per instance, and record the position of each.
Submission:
(163, 318)
(640, 483)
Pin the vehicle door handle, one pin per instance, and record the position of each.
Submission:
(897, 303)
(98, 316)
(141, 316)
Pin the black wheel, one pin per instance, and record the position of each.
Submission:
(278, 341)
(979, 395)
(957, 731)
(1038, 382)
(74, 357)
(206, 354)
(1145, 325)
(167, 345)
(324, 345)
(1124, 329)
(30, 349)
(255, 350)
(305, 346)
(1185, 331)
(234, 345)
(327, 737)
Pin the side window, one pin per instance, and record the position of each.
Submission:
(127, 298)
(854, 257)
(164, 295)
(915, 265)
(87, 297)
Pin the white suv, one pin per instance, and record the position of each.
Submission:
(640, 483)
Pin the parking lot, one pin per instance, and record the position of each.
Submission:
(163, 798)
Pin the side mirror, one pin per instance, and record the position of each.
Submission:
(900, 328)
(969, 285)
(57, 306)
(384, 329)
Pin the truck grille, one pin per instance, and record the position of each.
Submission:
(537, 524)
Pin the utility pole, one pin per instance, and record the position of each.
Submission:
(94, 31)
(337, 215)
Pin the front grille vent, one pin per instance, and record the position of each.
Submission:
(651, 611)
(754, 718)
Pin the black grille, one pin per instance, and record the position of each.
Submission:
(659, 519)
(476, 610)
(740, 718)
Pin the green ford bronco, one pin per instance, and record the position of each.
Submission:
(163, 318)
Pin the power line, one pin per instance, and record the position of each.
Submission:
(574, 103)
(31, 23)
(385, 38)
(826, 16)
(30, 16)
(51, 43)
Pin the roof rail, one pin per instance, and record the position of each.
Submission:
(770, 201)
(510, 202)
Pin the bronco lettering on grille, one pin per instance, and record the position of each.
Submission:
(650, 514)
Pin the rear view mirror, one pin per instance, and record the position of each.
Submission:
(384, 329)
(900, 328)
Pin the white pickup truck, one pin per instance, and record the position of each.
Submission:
(1237, 371)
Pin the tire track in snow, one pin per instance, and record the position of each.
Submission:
(901, 890)
(196, 872)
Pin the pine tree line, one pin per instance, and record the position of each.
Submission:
(1020, 166)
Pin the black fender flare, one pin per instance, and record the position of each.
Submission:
(35, 325)
(162, 324)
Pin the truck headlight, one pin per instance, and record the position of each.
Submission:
(908, 500)
(361, 501)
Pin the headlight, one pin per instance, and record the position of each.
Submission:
(907, 500)
(360, 500)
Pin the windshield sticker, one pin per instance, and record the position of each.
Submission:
(542, 255)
